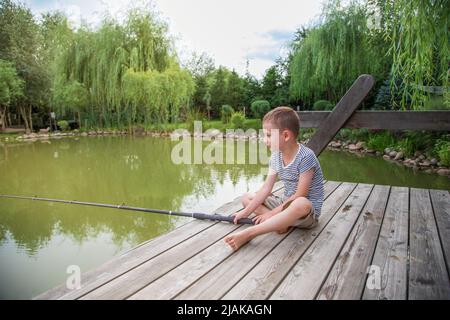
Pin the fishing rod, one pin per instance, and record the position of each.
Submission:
(196, 215)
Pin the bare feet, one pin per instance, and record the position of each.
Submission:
(237, 240)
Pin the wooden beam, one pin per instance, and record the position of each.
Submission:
(388, 120)
(341, 113)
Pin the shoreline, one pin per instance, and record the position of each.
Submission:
(418, 162)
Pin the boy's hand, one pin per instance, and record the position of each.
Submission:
(238, 215)
(263, 217)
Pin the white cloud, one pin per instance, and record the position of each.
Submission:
(228, 30)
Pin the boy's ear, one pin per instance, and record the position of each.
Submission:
(286, 134)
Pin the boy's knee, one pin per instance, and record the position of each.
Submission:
(246, 198)
(302, 204)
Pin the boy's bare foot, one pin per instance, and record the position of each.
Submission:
(237, 240)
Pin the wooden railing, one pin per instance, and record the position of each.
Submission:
(344, 115)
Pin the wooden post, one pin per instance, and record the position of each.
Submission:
(341, 113)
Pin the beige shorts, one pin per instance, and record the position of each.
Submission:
(307, 222)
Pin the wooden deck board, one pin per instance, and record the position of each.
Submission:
(348, 276)
(441, 207)
(391, 253)
(361, 225)
(428, 277)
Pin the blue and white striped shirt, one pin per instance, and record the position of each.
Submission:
(304, 160)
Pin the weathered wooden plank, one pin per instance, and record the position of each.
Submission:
(441, 206)
(347, 278)
(111, 269)
(185, 274)
(214, 284)
(391, 253)
(260, 282)
(428, 277)
(341, 113)
(129, 283)
(308, 274)
(387, 120)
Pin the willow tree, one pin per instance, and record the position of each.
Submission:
(129, 69)
(333, 54)
(156, 96)
(71, 97)
(418, 36)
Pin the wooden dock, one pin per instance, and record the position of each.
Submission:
(372, 242)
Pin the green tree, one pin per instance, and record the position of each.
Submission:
(11, 89)
(260, 108)
(417, 35)
(201, 88)
(235, 90)
(270, 83)
(330, 56)
(72, 97)
(218, 91)
(21, 44)
(251, 89)
(129, 69)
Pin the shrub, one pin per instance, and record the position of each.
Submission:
(353, 134)
(442, 149)
(415, 140)
(320, 105)
(226, 113)
(260, 108)
(252, 124)
(63, 125)
(380, 141)
(238, 120)
(191, 116)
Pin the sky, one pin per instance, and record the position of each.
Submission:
(229, 31)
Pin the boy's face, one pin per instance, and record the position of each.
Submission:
(275, 138)
(272, 137)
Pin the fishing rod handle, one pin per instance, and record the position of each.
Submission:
(216, 217)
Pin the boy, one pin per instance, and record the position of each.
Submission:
(298, 168)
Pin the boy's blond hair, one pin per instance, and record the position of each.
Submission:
(284, 118)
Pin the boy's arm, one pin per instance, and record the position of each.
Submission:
(259, 197)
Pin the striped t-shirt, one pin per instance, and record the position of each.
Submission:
(304, 160)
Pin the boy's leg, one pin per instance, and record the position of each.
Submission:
(298, 209)
(247, 197)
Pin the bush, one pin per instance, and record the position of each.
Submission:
(353, 134)
(252, 124)
(380, 141)
(63, 125)
(320, 105)
(226, 113)
(191, 116)
(415, 140)
(260, 108)
(442, 149)
(238, 120)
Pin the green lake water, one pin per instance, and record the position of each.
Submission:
(40, 240)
